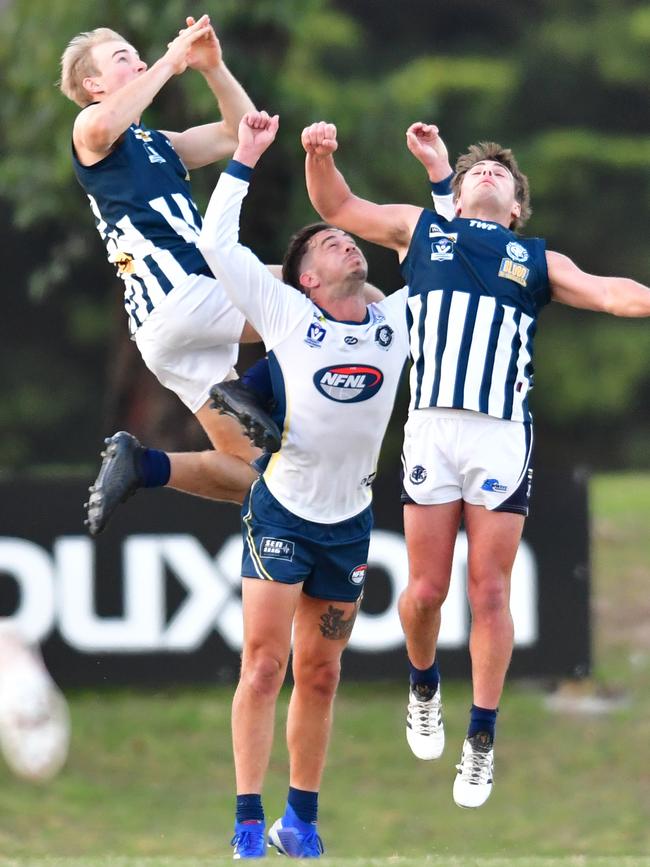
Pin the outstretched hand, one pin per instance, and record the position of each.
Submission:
(183, 50)
(424, 142)
(205, 53)
(319, 139)
(257, 131)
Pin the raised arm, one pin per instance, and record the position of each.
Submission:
(619, 296)
(389, 225)
(205, 144)
(99, 126)
(424, 142)
(270, 306)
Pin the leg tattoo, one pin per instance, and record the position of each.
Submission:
(333, 625)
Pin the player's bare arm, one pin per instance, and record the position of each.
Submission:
(388, 225)
(98, 127)
(619, 296)
(424, 142)
(205, 144)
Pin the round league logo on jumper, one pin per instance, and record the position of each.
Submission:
(348, 383)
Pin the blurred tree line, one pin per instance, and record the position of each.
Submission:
(563, 82)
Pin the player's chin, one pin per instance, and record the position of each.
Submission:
(359, 270)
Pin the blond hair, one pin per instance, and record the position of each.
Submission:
(489, 150)
(77, 62)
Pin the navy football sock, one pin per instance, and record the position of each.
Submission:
(249, 808)
(155, 468)
(304, 804)
(482, 719)
(425, 677)
(258, 379)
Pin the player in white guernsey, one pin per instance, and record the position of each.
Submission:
(137, 182)
(335, 363)
(475, 289)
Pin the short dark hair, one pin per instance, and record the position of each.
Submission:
(490, 150)
(296, 249)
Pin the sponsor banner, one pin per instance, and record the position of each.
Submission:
(156, 597)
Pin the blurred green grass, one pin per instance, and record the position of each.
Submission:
(150, 782)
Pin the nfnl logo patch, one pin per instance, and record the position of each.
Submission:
(279, 549)
(348, 383)
(358, 574)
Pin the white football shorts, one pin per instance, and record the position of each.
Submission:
(191, 339)
(456, 454)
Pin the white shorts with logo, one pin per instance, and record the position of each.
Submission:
(456, 454)
(190, 340)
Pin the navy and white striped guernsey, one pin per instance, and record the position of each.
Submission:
(141, 198)
(475, 291)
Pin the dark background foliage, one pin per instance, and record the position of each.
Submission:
(565, 83)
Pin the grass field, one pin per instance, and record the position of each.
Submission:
(149, 781)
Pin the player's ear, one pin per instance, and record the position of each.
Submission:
(516, 211)
(91, 85)
(308, 280)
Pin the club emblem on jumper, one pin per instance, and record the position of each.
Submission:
(358, 574)
(123, 262)
(348, 383)
(514, 271)
(517, 251)
(384, 336)
(418, 475)
(143, 134)
(315, 334)
(146, 138)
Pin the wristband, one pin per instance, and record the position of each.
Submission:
(442, 188)
(239, 170)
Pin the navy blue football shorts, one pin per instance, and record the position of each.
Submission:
(330, 559)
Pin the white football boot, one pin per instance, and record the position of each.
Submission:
(425, 732)
(474, 779)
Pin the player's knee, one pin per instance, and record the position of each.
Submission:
(319, 678)
(263, 672)
(488, 597)
(425, 596)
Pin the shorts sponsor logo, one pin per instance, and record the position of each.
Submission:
(348, 383)
(279, 549)
(514, 271)
(494, 486)
(315, 335)
(517, 251)
(417, 475)
(384, 336)
(358, 574)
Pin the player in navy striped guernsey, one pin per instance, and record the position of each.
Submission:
(475, 291)
(137, 181)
